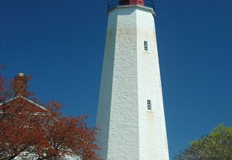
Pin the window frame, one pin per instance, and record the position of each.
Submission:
(145, 46)
(149, 105)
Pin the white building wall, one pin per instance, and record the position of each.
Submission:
(130, 76)
(118, 111)
(152, 127)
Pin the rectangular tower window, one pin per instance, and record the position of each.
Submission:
(145, 46)
(149, 106)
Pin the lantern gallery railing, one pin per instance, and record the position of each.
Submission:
(114, 3)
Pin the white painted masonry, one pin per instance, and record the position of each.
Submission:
(130, 77)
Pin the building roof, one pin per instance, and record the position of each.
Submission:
(30, 105)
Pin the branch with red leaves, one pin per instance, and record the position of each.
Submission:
(32, 131)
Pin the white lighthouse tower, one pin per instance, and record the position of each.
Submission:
(130, 112)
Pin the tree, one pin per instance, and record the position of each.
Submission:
(215, 146)
(29, 130)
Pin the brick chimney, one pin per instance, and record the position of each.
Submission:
(20, 85)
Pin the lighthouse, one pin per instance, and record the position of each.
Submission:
(130, 113)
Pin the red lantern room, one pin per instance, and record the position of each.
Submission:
(128, 2)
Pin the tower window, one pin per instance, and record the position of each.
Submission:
(145, 46)
(149, 106)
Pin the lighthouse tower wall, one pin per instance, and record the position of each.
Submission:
(118, 102)
(129, 130)
(152, 127)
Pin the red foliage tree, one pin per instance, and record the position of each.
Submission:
(30, 131)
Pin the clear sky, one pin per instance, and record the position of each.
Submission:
(61, 44)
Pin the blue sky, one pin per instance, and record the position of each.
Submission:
(61, 44)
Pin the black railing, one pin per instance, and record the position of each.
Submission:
(114, 3)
